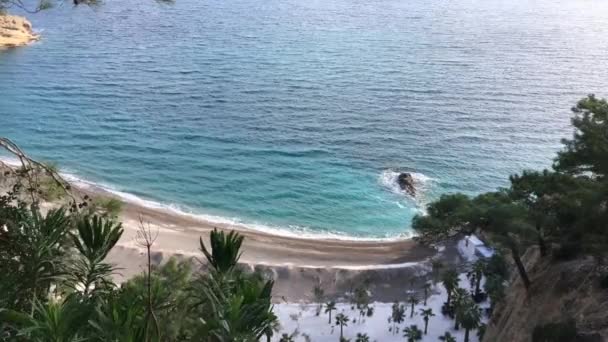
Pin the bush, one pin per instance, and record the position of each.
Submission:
(50, 190)
(555, 332)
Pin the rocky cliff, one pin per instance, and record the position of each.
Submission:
(15, 31)
(567, 295)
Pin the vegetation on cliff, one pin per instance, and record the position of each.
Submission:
(563, 211)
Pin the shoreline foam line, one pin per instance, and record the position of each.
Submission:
(295, 232)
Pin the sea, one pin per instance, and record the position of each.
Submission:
(296, 116)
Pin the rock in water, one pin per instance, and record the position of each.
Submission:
(15, 31)
(406, 183)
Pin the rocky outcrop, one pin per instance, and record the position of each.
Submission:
(406, 183)
(563, 294)
(15, 31)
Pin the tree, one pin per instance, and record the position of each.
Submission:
(412, 333)
(413, 301)
(329, 307)
(397, 315)
(495, 288)
(476, 276)
(426, 287)
(426, 315)
(225, 250)
(342, 321)
(587, 151)
(469, 315)
(96, 237)
(361, 299)
(318, 294)
(450, 281)
(461, 296)
(361, 337)
(447, 337)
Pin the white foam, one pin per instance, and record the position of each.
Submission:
(292, 231)
(388, 179)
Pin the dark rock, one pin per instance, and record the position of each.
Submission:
(406, 183)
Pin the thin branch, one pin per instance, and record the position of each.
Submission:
(31, 170)
(145, 238)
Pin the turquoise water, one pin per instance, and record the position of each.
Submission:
(292, 114)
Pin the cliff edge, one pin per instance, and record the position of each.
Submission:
(15, 31)
(566, 299)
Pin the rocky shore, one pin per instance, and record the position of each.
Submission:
(15, 31)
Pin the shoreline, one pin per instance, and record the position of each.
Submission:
(297, 265)
(179, 234)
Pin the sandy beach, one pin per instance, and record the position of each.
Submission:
(296, 264)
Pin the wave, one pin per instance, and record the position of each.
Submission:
(291, 231)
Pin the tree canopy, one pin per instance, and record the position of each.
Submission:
(565, 207)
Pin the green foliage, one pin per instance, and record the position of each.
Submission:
(565, 207)
(32, 255)
(56, 286)
(342, 320)
(450, 281)
(329, 307)
(468, 315)
(106, 206)
(447, 337)
(586, 152)
(497, 266)
(51, 321)
(361, 337)
(412, 333)
(426, 315)
(225, 250)
(555, 332)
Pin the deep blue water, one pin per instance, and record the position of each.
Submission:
(292, 113)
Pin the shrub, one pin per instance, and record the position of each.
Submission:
(108, 206)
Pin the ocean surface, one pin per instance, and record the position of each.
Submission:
(296, 115)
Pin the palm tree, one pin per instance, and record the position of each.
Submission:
(342, 321)
(362, 338)
(397, 315)
(460, 297)
(447, 337)
(318, 293)
(271, 329)
(477, 272)
(450, 282)
(225, 250)
(427, 288)
(95, 237)
(412, 333)
(413, 302)
(426, 314)
(469, 315)
(329, 307)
